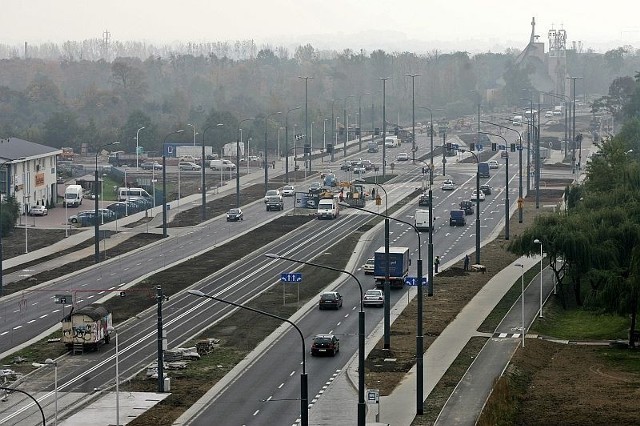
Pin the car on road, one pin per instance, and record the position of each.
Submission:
(368, 165)
(456, 218)
(346, 166)
(467, 206)
(373, 297)
(330, 300)
(403, 156)
(272, 193)
(288, 191)
(424, 199)
(359, 169)
(38, 211)
(368, 266)
(151, 165)
(504, 154)
(234, 215)
(475, 196)
(548, 114)
(448, 185)
(188, 165)
(485, 188)
(325, 344)
(315, 188)
(493, 164)
(275, 203)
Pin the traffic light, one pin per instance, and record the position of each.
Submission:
(448, 146)
(376, 131)
(472, 146)
(493, 146)
(341, 131)
(329, 147)
(396, 131)
(357, 131)
(307, 148)
(513, 147)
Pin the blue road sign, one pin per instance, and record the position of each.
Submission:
(291, 277)
(455, 146)
(479, 147)
(502, 147)
(413, 281)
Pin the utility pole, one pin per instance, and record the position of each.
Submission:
(413, 115)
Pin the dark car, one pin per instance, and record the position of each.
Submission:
(467, 206)
(120, 209)
(325, 344)
(456, 218)
(424, 200)
(485, 188)
(235, 215)
(330, 300)
(275, 203)
(315, 188)
(346, 166)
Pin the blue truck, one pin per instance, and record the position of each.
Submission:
(398, 266)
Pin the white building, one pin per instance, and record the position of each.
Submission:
(28, 172)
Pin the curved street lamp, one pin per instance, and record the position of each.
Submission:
(112, 329)
(334, 129)
(266, 165)
(304, 385)
(203, 185)
(362, 408)
(431, 141)
(346, 127)
(164, 186)
(506, 183)
(477, 205)
(246, 156)
(413, 114)
(96, 222)
(30, 396)
(419, 319)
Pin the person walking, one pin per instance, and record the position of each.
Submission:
(436, 262)
(466, 262)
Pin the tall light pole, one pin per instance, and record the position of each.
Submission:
(573, 133)
(334, 130)
(50, 361)
(384, 126)
(520, 199)
(266, 165)
(3, 164)
(566, 127)
(304, 387)
(137, 144)
(246, 157)
(506, 184)
(413, 114)
(537, 241)
(431, 142)
(96, 194)
(164, 186)
(306, 119)
(419, 319)
(286, 142)
(360, 121)
(362, 408)
(521, 298)
(113, 330)
(346, 127)
(194, 133)
(477, 205)
(203, 210)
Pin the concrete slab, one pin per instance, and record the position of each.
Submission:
(102, 412)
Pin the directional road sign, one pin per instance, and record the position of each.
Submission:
(413, 281)
(291, 277)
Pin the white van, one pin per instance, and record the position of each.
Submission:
(517, 120)
(72, 196)
(327, 208)
(221, 165)
(422, 220)
(126, 193)
(391, 142)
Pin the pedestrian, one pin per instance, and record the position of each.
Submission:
(373, 193)
(466, 262)
(436, 262)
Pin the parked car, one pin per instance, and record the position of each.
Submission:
(368, 266)
(477, 196)
(373, 297)
(448, 185)
(288, 191)
(485, 188)
(38, 211)
(235, 215)
(83, 218)
(330, 300)
(151, 165)
(272, 193)
(403, 156)
(467, 206)
(188, 165)
(325, 344)
(493, 164)
(120, 209)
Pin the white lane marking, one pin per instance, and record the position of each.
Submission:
(17, 327)
(338, 324)
(292, 373)
(3, 333)
(29, 322)
(256, 412)
(281, 385)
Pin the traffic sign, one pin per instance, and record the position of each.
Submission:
(479, 147)
(413, 281)
(291, 277)
(373, 396)
(62, 299)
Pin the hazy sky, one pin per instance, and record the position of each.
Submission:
(412, 25)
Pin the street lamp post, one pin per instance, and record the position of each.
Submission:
(137, 149)
(522, 298)
(304, 387)
(384, 126)
(360, 121)
(413, 114)
(246, 157)
(112, 329)
(306, 118)
(419, 319)
(194, 133)
(506, 184)
(573, 132)
(537, 241)
(203, 183)
(431, 142)
(266, 165)
(164, 186)
(477, 206)
(96, 193)
(520, 199)
(6, 389)
(286, 142)
(334, 129)
(346, 126)
(362, 409)
(50, 361)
